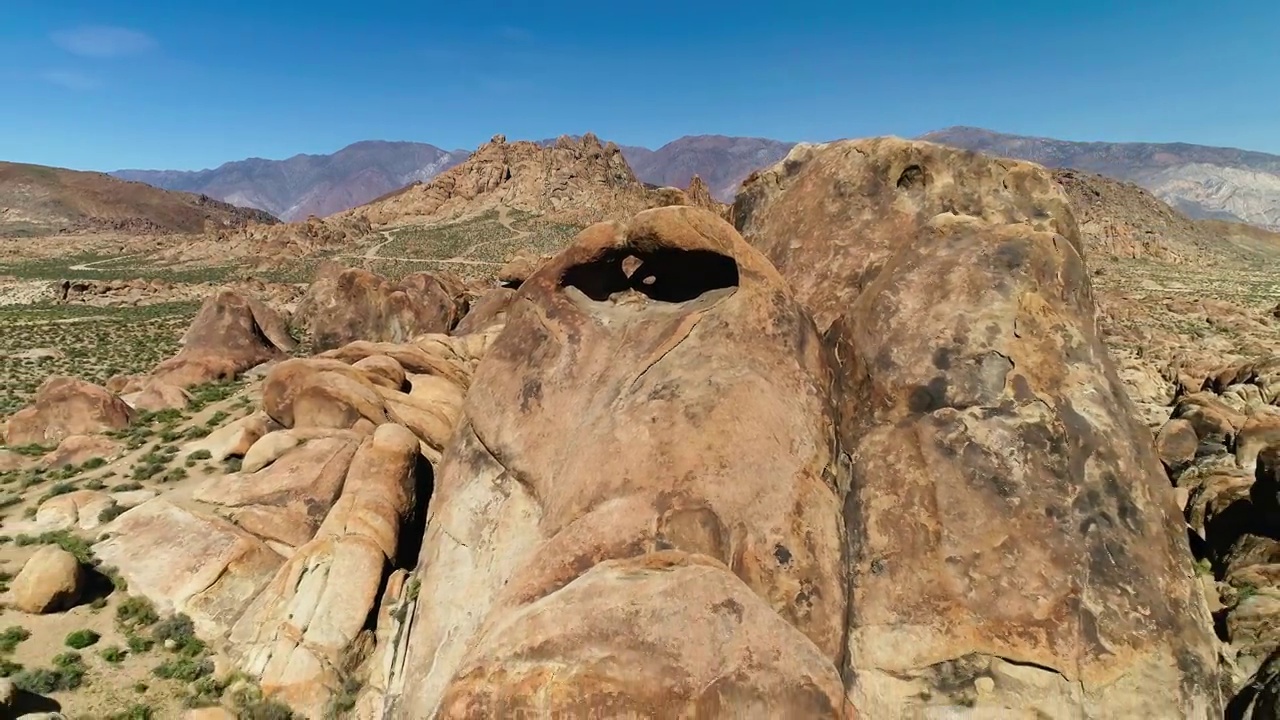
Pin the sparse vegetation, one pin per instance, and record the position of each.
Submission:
(81, 639)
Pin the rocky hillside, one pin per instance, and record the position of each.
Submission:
(322, 185)
(37, 200)
(575, 181)
(1200, 181)
(306, 185)
(1120, 219)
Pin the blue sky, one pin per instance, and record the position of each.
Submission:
(107, 84)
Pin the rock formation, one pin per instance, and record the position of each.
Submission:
(285, 560)
(572, 181)
(65, 406)
(231, 334)
(345, 305)
(553, 571)
(50, 581)
(1013, 543)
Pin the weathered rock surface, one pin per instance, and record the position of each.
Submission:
(287, 500)
(189, 562)
(297, 632)
(1014, 544)
(488, 311)
(344, 305)
(65, 406)
(79, 508)
(79, 449)
(51, 580)
(690, 531)
(156, 395)
(234, 438)
(231, 333)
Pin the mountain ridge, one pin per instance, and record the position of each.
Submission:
(1203, 182)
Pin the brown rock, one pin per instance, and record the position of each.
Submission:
(231, 334)
(80, 449)
(1212, 419)
(489, 310)
(518, 268)
(1006, 504)
(1259, 434)
(65, 406)
(79, 508)
(234, 438)
(156, 395)
(355, 304)
(287, 500)
(382, 370)
(1176, 444)
(49, 582)
(572, 181)
(606, 471)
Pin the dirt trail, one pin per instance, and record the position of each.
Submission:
(504, 219)
(90, 265)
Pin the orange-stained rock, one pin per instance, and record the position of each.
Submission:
(65, 406)
(231, 333)
(631, 440)
(353, 304)
(287, 500)
(1014, 544)
(489, 310)
(80, 449)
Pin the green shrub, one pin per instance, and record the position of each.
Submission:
(135, 712)
(136, 612)
(126, 487)
(138, 644)
(185, 669)
(113, 654)
(11, 636)
(81, 639)
(110, 512)
(9, 668)
(67, 673)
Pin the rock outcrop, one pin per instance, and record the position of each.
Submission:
(345, 305)
(1014, 546)
(284, 562)
(231, 334)
(65, 406)
(671, 558)
(572, 181)
(1230, 487)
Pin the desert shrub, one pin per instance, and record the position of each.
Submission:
(81, 639)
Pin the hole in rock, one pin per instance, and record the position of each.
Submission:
(913, 177)
(666, 275)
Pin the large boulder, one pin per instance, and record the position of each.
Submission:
(80, 449)
(189, 562)
(344, 305)
(231, 333)
(641, 513)
(50, 581)
(65, 406)
(1014, 544)
(287, 500)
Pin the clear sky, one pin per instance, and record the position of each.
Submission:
(108, 84)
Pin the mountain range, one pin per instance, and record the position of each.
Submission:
(1200, 181)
